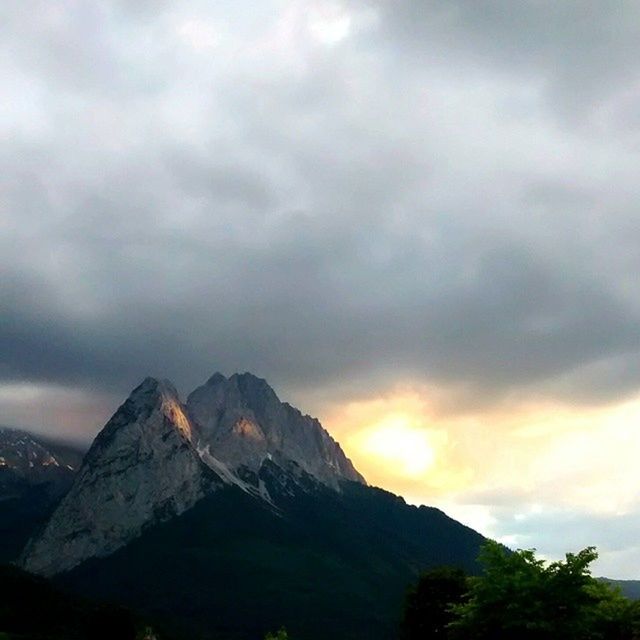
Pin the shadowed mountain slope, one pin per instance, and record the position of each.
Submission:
(323, 564)
(35, 473)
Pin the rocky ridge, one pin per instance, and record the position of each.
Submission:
(27, 461)
(241, 420)
(142, 468)
(156, 458)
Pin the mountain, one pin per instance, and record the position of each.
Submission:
(154, 460)
(324, 564)
(628, 588)
(30, 460)
(234, 514)
(34, 474)
(243, 422)
(142, 468)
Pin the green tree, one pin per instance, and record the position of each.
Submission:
(614, 617)
(281, 634)
(520, 597)
(428, 605)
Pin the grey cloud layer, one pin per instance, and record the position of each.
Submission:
(555, 532)
(442, 194)
(581, 53)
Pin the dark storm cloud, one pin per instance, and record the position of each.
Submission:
(184, 191)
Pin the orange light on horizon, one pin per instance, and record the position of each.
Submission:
(567, 456)
(399, 444)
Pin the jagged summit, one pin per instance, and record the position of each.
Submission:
(152, 385)
(196, 512)
(216, 378)
(254, 386)
(241, 421)
(149, 394)
(141, 469)
(245, 387)
(156, 458)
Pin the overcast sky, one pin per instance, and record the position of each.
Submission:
(417, 219)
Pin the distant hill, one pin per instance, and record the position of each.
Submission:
(629, 588)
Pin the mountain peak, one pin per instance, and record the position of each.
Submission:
(216, 378)
(246, 382)
(21, 449)
(156, 458)
(152, 388)
(241, 420)
(142, 468)
(149, 396)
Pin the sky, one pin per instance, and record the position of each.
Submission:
(417, 220)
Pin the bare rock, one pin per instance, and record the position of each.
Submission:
(141, 469)
(243, 423)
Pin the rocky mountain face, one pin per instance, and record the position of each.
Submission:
(34, 474)
(241, 421)
(27, 461)
(233, 514)
(156, 458)
(142, 468)
(324, 564)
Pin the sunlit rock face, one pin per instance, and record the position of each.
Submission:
(156, 458)
(241, 421)
(141, 469)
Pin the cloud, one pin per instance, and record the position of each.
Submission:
(555, 532)
(531, 473)
(301, 208)
(580, 55)
(556, 529)
(347, 198)
(64, 413)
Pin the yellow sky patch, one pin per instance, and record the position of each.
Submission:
(568, 456)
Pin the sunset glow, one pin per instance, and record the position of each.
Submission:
(531, 459)
(399, 444)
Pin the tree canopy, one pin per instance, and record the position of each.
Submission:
(519, 596)
(428, 610)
